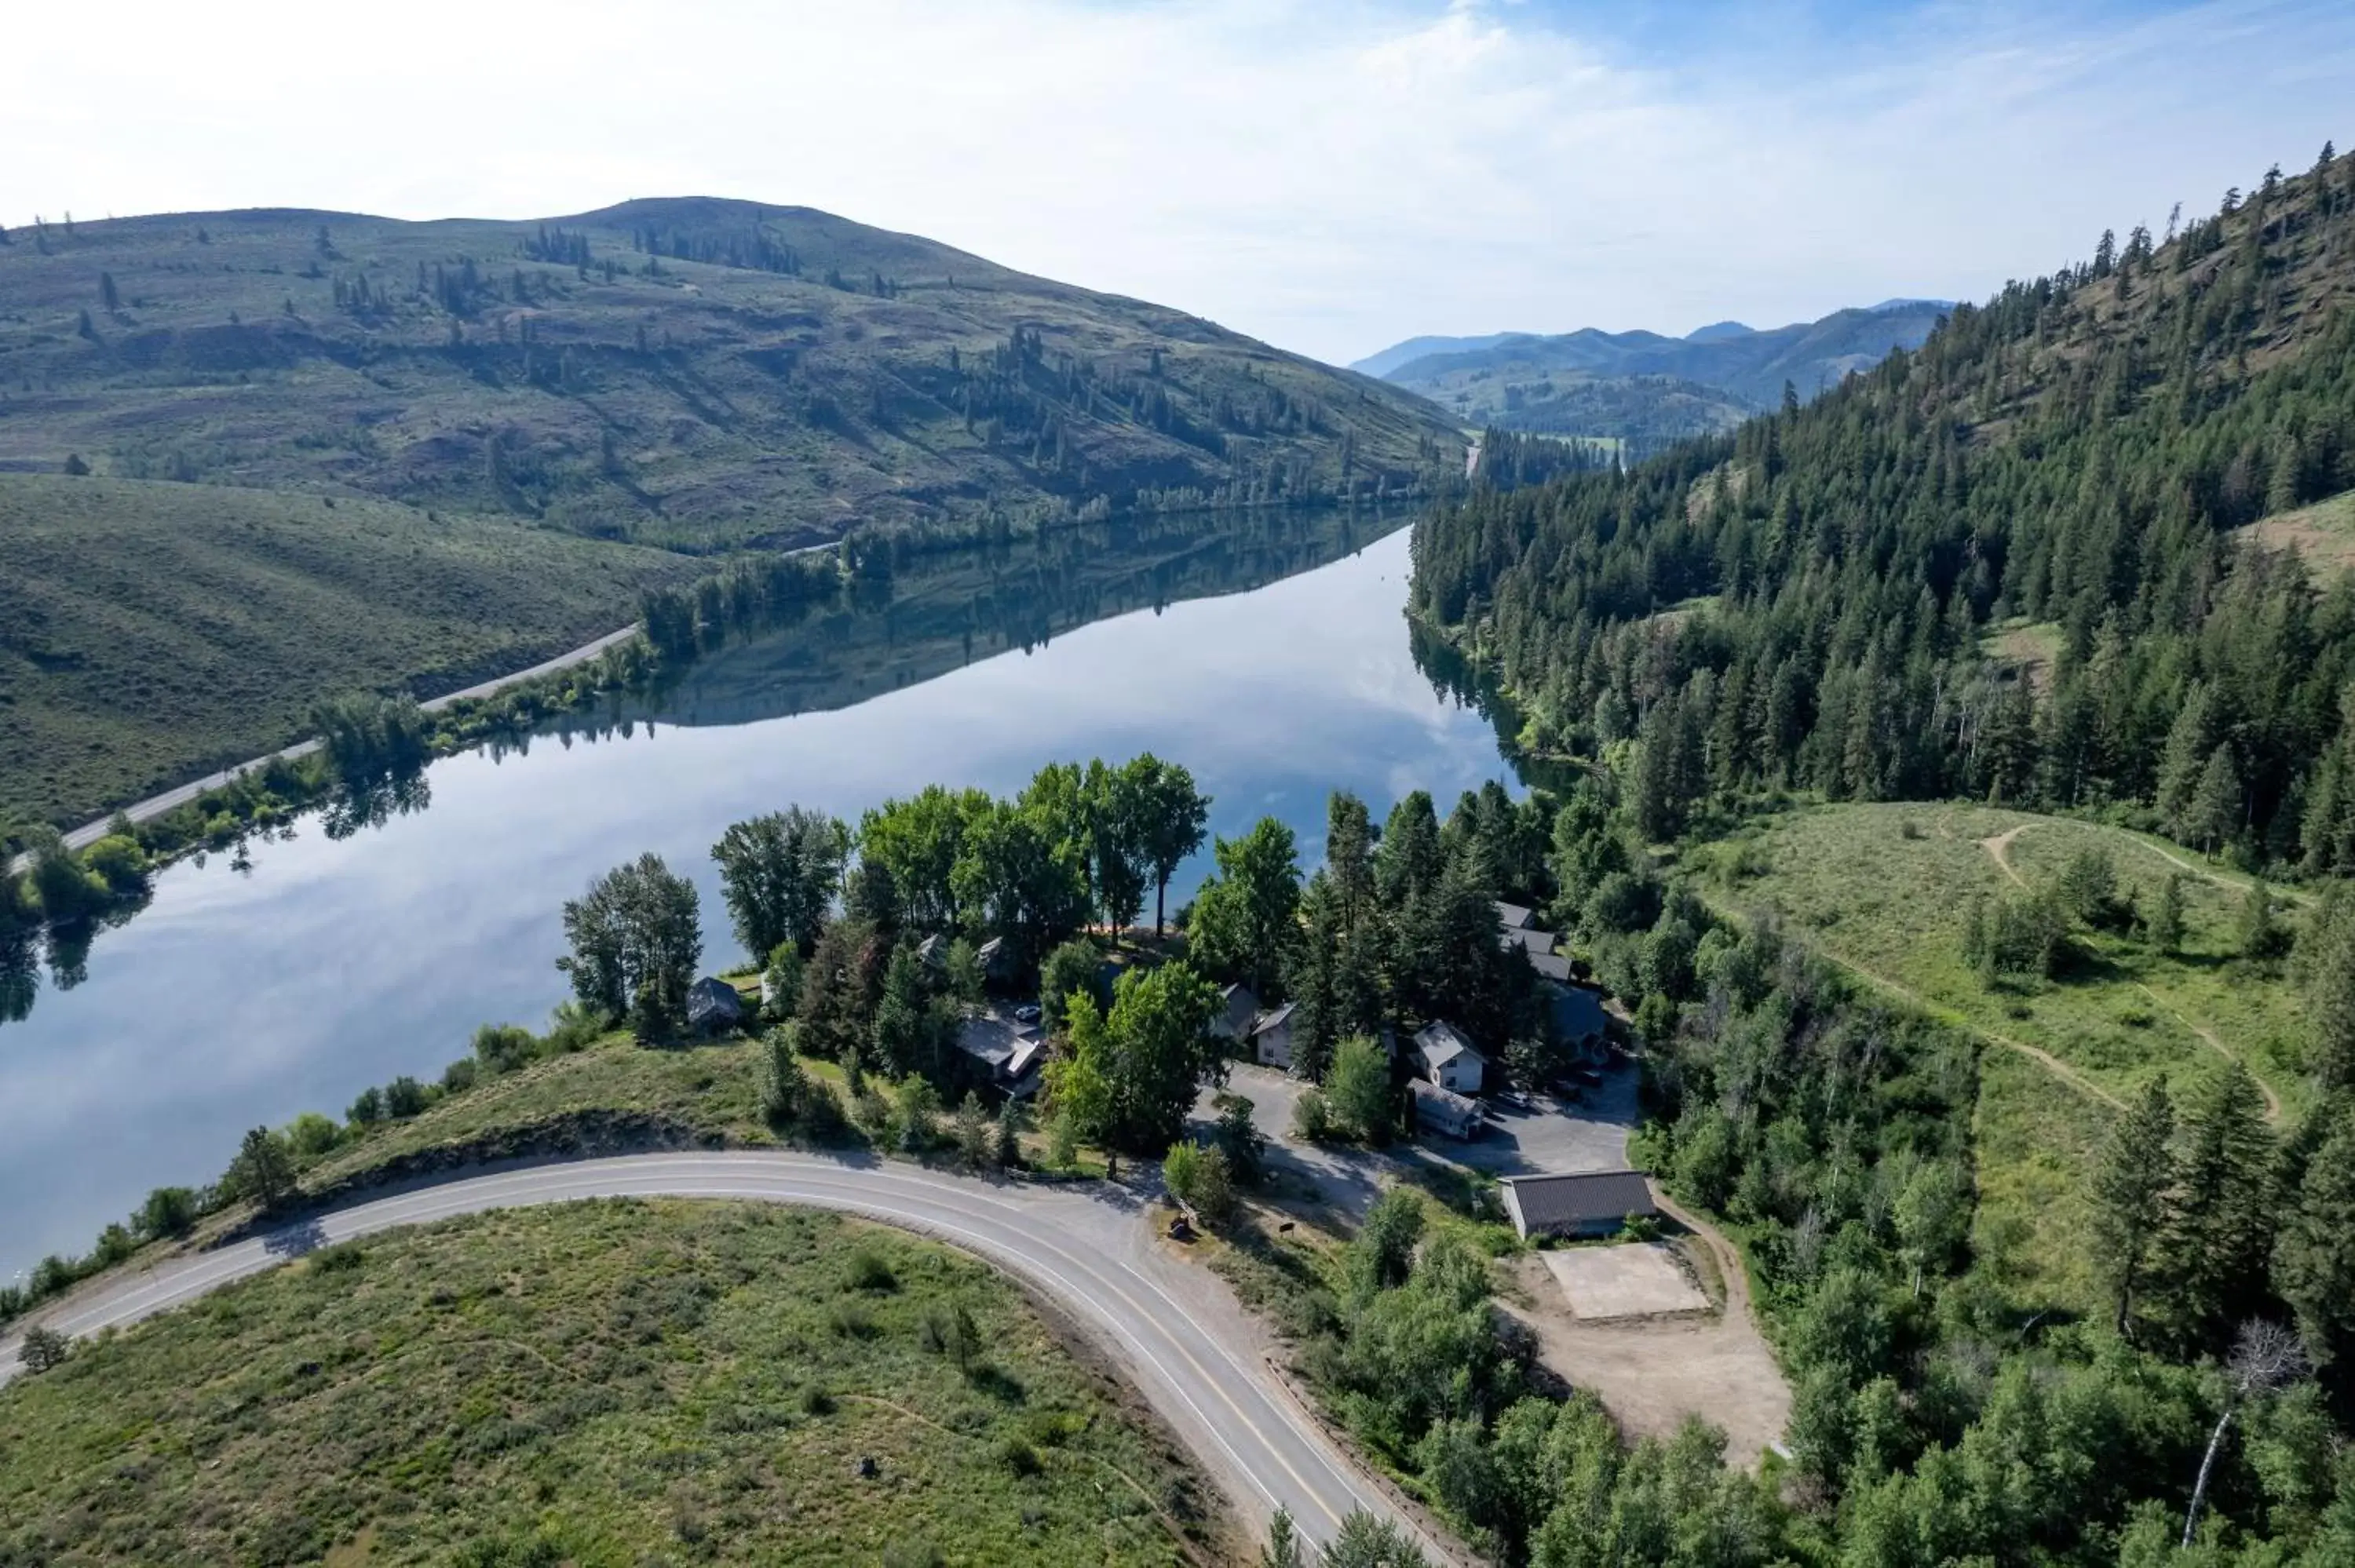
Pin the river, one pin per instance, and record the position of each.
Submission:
(1270, 656)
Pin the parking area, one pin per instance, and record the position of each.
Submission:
(1546, 1135)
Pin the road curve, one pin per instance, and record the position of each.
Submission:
(1091, 1255)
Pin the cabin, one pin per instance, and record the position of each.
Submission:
(1513, 917)
(1008, 1053)
(934, 950)
(1238, 1011)
(1593, 1203)
(1448, 1059)
(1270, 1038)
(1438, 1111)
(713, 1006)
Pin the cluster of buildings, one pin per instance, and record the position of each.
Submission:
(1450, 1072)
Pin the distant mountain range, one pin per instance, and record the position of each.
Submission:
(1642, 388)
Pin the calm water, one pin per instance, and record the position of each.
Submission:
(249, 992)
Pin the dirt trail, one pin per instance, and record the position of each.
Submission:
(2273, 1100)
(2041, 1057)
(2000, 846)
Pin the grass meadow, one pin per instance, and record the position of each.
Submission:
(602, 1385)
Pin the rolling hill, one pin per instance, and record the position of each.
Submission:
(250, 459)
(693, 373)
(1643, 389)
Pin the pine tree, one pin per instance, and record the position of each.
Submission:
(2314, 1261)
(2221, 1225)
(2215, 805)
(2188, 743)
(2330, 993)
(2129, 1191)
(2166, 922)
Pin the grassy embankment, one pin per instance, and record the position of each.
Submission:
(150, 632)
(595, 1384)
(1886, 890)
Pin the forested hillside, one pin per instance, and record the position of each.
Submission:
(692, 373)
(2010, 565)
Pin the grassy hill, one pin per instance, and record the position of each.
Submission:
(1886, 890)
(694, 373)
(153, 631)
(595, 1383)
(327, 452)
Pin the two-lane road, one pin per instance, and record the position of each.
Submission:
(1181, 1338)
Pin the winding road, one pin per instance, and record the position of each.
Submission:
(1180, 1336)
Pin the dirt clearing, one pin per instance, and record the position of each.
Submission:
(1640, 1279)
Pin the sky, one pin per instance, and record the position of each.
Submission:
(1331, 177)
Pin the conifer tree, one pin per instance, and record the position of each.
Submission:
(2220, 1229)
(2131, 1188)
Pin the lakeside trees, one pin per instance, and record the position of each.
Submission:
(779, 875)
(635, 937)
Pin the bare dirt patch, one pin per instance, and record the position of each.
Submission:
(1639, 1279)
(1652, 1373)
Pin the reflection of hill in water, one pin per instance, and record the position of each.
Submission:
(945, 611)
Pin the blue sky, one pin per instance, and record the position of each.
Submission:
(1330, 176)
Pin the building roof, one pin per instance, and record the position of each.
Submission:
(1237, 1005)
(713, 997)
(1553, 967)
(1442, 1041)
(1588, 1198)
(1444, 1104)
(1513, 917)
(1275, 1019)
(1531, 940)
(934, 950)
(991, 1038)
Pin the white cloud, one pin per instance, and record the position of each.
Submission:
(1329, 177)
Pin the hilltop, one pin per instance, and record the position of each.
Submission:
(693, 373)
(1641, 387)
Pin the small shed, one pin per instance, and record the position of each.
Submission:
(1593, 1203)
(713, 1005)
(1238, 1011)
(1270, 1038)
(1448, 1059)
(1513, 917)
(1440, 1111)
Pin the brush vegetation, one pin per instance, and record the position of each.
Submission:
(596, 1385)
(690, 372)
(152, 632)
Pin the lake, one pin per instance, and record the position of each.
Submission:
(1270, 656)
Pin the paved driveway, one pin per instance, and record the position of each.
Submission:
(1548, 1135)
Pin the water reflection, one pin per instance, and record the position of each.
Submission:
(296, 969)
